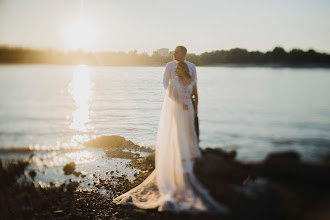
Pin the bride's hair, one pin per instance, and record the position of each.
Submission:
(185, 67)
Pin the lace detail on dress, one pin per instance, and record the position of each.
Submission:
(187, 92)
(184, 92)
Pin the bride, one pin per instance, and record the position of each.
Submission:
(172, 186)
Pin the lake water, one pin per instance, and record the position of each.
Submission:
(254, 110)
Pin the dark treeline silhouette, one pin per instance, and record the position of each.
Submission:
(278, 56)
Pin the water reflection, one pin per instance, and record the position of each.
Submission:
(81, 157)
(80, 89)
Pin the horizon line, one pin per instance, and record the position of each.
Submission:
(8, 46)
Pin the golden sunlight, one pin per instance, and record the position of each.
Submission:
(82, 34)
(80, 89)
(81, 157)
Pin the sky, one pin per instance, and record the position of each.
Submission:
(147, 25)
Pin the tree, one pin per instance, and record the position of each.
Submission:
(278, 54)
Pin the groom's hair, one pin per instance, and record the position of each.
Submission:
(183, 49)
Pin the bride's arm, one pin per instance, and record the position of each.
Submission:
(195, 93)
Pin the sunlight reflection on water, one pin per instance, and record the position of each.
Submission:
(80, 89)
(81, 157)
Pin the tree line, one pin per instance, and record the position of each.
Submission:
(278, 55)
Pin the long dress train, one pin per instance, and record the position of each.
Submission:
(172, 186)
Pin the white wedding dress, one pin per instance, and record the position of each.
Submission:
(172, 186)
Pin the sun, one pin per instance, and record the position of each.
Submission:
(82, 34)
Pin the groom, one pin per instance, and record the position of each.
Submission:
(180, 53)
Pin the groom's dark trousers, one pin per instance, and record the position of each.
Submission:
(196, 120)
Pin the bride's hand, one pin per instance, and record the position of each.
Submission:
(185, 107)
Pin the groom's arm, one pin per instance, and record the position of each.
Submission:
(166, 77)
(194, 74)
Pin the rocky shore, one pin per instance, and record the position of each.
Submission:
(282, 186)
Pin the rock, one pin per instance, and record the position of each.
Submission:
(288, 157)
(119, 153)
(69, 168)
(146, 149)
(76, 173)
(107, 141)
(131, 145)
(313, 176)
(217, 162)
(151, 158)
(231, 154)
(32, 173)
(15, 168)
(72, 186)
(77, 215)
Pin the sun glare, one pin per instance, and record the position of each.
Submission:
(82, 34)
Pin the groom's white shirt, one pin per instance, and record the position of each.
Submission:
(170, 72)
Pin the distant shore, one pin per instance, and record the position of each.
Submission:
(233, 57)
(269, 65)
(274, 65)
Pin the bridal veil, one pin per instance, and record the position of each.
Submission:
(172, 186)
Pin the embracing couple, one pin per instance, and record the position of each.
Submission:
(172, 186)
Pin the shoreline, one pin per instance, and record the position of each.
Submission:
(267, 65)
(280, 186)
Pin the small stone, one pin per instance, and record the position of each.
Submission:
(76, 173)
(69, 168)
(32, 173)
